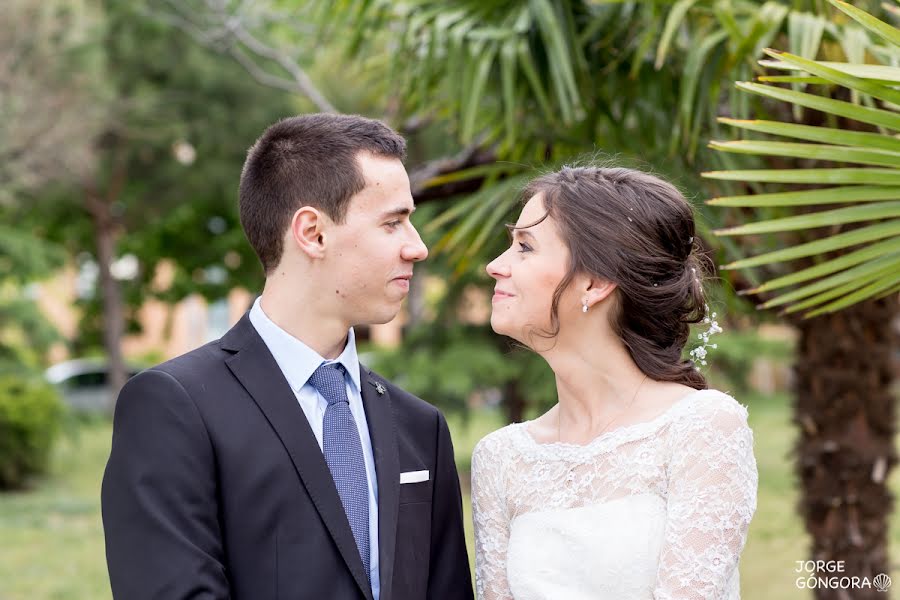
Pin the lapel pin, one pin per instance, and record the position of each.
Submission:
(379, 388)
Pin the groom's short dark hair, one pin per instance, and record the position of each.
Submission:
(307, 160)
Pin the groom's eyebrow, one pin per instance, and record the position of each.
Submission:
(399, 212)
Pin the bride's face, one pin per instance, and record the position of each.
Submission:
(527, 275)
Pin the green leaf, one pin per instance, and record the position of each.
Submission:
(792, 79)
(805, 33)
(876, 73)
(697, 58)
(874, 116)
(817, 176)
(877, 26)
(832, 243)
(804, 37)
(834, 195)
(456, 210)
(828, 295)
(855, 43)
(508, 81)
(873, 289)
(559, 56)
(850, 154)
(489, 225)
(476, 208)
(840, 216)
(768, 24)
(489, 170)
(836, 264)
(855, 274)
(483, 210)
(534, 80)
(836, 76)
(473, 101)
(673, 20)
(829, 135)
(644, 45)
(725, 14)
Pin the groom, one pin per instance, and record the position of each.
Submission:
(270, 464)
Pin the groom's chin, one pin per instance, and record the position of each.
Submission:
(379, 315)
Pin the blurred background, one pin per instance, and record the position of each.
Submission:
(124, 125)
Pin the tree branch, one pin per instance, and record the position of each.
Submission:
(471, 156)
(229, 35)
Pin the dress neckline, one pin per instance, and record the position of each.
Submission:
(619, 434)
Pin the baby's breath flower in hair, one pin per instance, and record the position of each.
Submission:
(698, 354)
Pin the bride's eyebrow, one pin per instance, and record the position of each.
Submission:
(516, 232)
(512, 229)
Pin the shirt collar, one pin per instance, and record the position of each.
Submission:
(297, 360)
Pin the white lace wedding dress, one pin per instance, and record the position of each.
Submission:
(656, 510)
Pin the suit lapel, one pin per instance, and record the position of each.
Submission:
(258, 372)
(379, 416)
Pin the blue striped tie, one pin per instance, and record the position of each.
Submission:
(343, 453)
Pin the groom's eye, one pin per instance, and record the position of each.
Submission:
(392, 224)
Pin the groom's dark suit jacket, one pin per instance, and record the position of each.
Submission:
(216, 488)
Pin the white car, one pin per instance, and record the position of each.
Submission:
(83, 383)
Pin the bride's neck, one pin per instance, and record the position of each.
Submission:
(593, 384)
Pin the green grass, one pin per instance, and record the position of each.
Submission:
(51, 538)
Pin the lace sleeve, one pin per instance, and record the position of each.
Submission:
(711, 499)
(491, 516)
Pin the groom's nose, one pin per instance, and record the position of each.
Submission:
(415, 249)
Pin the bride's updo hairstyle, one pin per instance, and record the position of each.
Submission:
(637, 231)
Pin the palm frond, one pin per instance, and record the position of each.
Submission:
(865, 230)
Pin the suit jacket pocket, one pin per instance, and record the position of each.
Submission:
(411, 493)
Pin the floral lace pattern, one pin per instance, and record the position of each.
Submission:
(658, 509)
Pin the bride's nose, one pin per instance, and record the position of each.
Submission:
(497, 268)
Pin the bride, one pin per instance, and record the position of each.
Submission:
(640, 482)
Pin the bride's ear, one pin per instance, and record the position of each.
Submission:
(596, 290)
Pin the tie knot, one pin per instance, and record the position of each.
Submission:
(328, 379)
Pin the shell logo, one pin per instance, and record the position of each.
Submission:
(881, 582)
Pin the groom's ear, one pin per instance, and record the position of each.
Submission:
(308, 227)
(597, 290)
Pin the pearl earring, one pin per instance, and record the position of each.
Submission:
(584, 307)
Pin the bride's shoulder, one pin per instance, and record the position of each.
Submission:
(499, 438)
(496, 444)
(711, 409)
(712, 401)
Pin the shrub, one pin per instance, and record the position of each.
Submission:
(30, 419)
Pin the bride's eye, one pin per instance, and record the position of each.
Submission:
(523, 247)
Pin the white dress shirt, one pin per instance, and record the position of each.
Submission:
(298, 362)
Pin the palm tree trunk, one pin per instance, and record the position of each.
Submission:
(845, 412)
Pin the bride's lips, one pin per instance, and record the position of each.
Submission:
(500, 295)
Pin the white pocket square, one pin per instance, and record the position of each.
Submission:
(413, 476)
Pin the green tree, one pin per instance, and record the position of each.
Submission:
(52, 98)
(838, 281)
(177, 124)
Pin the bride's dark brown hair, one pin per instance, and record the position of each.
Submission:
(637, 231)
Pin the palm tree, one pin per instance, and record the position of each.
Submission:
(845, 286)
(541, 82)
